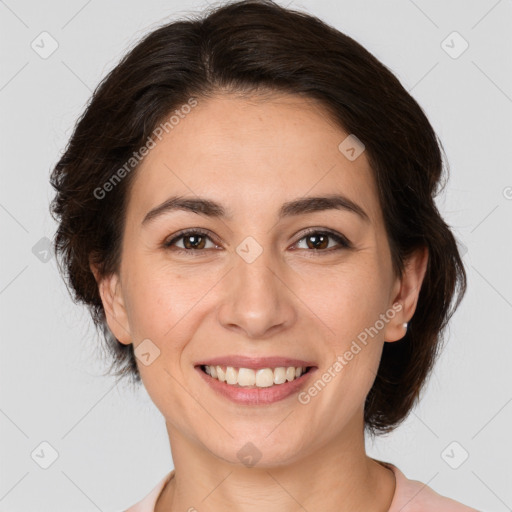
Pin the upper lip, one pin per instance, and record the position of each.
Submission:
(254, 362)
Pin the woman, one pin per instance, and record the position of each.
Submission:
(247, 208)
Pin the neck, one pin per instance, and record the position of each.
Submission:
(337, 476)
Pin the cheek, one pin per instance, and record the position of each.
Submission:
(351, 308)
(349, 301)
(158, 299)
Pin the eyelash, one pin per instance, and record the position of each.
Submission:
(340, 239)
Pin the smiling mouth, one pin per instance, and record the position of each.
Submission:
(255, 378)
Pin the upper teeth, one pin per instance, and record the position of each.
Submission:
(261, 378)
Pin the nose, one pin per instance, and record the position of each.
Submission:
(257, 300)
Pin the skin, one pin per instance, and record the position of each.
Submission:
(252, 155)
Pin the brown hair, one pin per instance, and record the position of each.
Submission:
(257, 46)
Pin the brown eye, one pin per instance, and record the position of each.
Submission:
(193, 240)
(319, 241)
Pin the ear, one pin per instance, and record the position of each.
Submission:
(110, 291)
(406, 293)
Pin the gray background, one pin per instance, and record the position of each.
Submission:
(112, 443)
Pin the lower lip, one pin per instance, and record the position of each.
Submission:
(256, 396)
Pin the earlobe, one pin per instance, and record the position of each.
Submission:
(110, 291)
(408, 293)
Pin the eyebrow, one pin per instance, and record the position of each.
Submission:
(203, 206)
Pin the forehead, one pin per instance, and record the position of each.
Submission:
(252, 152)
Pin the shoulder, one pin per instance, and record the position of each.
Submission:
(414, 496)
(147, 504)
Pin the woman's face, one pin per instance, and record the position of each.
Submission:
(253, 282)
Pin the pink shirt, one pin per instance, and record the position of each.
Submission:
(410, 496)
